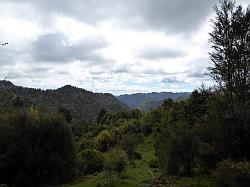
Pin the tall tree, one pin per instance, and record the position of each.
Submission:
(230, 40)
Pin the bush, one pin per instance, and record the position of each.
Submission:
(154, 163)
(137, 156)
(146, 130)
(35, 149)
(177, 150)
(103, 141)
(116, 161)
(128, 143)
(85, 143)
(203, 181)
(232, 174)
(90, 161)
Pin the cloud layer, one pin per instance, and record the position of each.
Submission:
(121, 46)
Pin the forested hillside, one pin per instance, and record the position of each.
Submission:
(148, 101)
(83, 105)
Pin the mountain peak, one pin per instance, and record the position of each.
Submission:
(6, 83)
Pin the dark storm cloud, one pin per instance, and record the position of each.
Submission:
(169, 15)
(57, 48)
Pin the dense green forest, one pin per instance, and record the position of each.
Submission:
(83, 105)
(202, 141)
(150, 101)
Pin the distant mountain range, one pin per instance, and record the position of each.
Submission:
(148, 101)
(83, 105)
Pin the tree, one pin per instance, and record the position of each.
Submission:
(35, 149)
(230, 41)
(66, 113)
(90, 161)
(17, 102)
(128, 143)
(176, 150)
(103, 141)
(116, 161)
(101, 115)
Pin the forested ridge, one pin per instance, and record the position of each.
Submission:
(149, 101)
(201, 141)
(83, 105)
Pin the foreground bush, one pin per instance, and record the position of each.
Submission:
(176, 150)
(116, 161)
(128, 143)
(90, 161)
(232, 174)
(103, 141)
(154, 163)
(35, 149)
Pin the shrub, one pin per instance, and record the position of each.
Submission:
(137, 156)
(204, 181)
(35, 149)
(176, 150)
(128, 143)
(103, 141)
(154, 163)
(146, 130)
(232, 174)
(90, 161)
(116, 161)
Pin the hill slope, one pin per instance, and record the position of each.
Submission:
(83, 105)
(147, 101)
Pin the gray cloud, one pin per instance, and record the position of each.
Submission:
(122, 69)
(171, 80)
(155, 54)
(57, 48)
(169, 15)
(197, 74)
(8, 55)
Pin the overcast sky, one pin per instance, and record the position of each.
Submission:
(116, 46)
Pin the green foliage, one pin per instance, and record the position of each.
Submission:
(203, 181)
(116, 119)
(176, 150)
(196, 106)
(103, 142)
(156, 118)
(90, 161)
(231, 52)
(83, 105)
(101, 115)
(154, 163)
(128, 143)
(226, 135)
(116, 160)
(35, 149)
(232, 174)
(66, 113)
(18, 102)
(135, 114)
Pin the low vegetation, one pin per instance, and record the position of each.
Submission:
(202, 141)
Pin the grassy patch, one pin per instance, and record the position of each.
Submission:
(137, 174)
